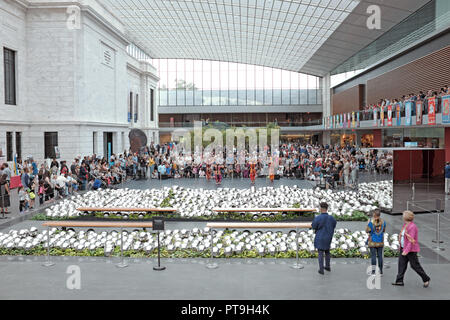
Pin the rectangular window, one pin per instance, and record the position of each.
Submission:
(9, 146)
(152, 105)
(9, 57)
(136, 110)
(94, 142)
(19, 145)
(130, 106)
(50, 142)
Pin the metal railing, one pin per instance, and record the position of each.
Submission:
(437, 211)
(249, 124)
(369, 114)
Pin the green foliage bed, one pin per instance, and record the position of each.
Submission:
(185, 253)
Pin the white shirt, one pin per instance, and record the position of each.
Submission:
(61, 181)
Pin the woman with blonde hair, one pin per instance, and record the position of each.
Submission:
(376, 229)
(409, 247)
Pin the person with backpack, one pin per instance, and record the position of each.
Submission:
(376, 229)
(324, 225)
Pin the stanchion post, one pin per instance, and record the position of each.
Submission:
(48, 263)
(297, 264)
(212, 265)
(158, 225)
(438, 226)
(158, 267)
(122, 263)
(438, 238)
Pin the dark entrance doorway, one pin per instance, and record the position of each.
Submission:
(107, 139)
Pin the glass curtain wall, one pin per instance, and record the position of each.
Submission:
(186, 82)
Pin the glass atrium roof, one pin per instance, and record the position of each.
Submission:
(274, 33)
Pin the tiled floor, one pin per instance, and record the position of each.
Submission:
(25, 278)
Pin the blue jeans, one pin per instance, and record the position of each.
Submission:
(374, 252)
(327, 259)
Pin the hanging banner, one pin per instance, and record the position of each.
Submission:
(358, 123)
(345, 121)
(419, 105)
(389, 116)
(431, 111)
(349, 120)
(398, 114)
(353, 120)
(382, 116)
(446, 109)
(341, 117)
(408, 113)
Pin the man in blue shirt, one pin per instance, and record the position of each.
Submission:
(324, 226)
(447, 178)
(35, 170)
(161, 170)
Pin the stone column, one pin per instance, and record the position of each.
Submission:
(326, 137)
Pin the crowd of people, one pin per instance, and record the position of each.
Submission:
(327, 165)
(330, 165)
(368, 111)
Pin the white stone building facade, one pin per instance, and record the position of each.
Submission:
(74, 80)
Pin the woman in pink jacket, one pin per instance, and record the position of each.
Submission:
(409, 247)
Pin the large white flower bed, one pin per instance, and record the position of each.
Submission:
(196, 240)
(200, 202)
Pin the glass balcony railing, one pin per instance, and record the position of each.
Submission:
(255, 124)
(398, 111)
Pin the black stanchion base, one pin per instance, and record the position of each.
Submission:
(159, 268)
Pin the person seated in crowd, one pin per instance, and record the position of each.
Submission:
(95, 184)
